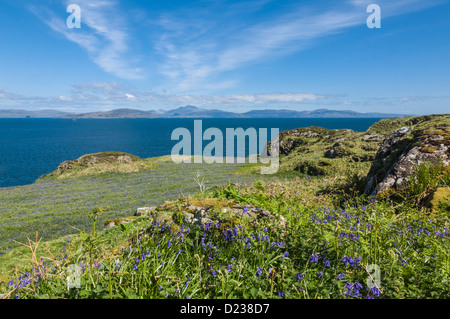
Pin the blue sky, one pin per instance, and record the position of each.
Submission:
(231, 55)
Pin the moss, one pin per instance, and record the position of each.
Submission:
(440, 200)
(386, 193)
(429, 149)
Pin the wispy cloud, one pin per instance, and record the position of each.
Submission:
(194, 56)
(103, 34)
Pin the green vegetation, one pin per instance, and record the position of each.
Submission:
(57, 207)
(324, 238)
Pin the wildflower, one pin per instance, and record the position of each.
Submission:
(299, 276)
(245, 210)
(285, 255)
(259, 271)
(327, 263)
(314, 258)
(280, 294)
(375, 291)
(320, 274)
(340, 276)
(134, 266)
(229, 267)
(187, 281)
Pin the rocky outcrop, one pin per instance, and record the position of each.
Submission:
(145, 211)
(205, 213)
(96, 158)
(198, 215)
(403, 149)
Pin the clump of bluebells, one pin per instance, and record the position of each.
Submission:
(353, 251)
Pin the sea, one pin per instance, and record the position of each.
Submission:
(30, 148)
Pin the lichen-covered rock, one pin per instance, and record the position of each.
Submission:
(401, 151)
(145, 211)
(336, 151)
(198, 215)
(116, 221)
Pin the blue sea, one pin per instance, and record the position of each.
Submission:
(30, 148)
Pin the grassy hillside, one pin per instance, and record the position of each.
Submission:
(57, 205)
(319, 235)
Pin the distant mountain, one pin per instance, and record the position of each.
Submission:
(320, 113)
(191, 111)
(12, 113)
(115, 114)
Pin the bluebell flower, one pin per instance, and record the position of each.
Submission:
(299, 276)
(314, 258)
(285, 255)
(375, 291)
(259, 271)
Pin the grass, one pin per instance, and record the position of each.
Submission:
(322, 253)
(57, 207)
(337, 242)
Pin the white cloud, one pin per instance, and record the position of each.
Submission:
(193, 57)
(103, 34)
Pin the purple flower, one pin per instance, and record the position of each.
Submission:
(340, 276)
(134, 267)
(285, 255)
(327, 263)
(259, 271)
(375, 291)
(314, 258)
(299, 276)
(187, 281)
(245, 210)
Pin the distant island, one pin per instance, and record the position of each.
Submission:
(190, 111)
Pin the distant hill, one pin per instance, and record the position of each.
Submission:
(321, 113)
(12, 113)
(115, 114)
(191, 111)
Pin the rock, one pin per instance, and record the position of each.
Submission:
(400, 152)
(200, 217)
(204, 215)
(116, 221)
(372, 137)
(96, 158)
(145, 211)
(335, 151)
